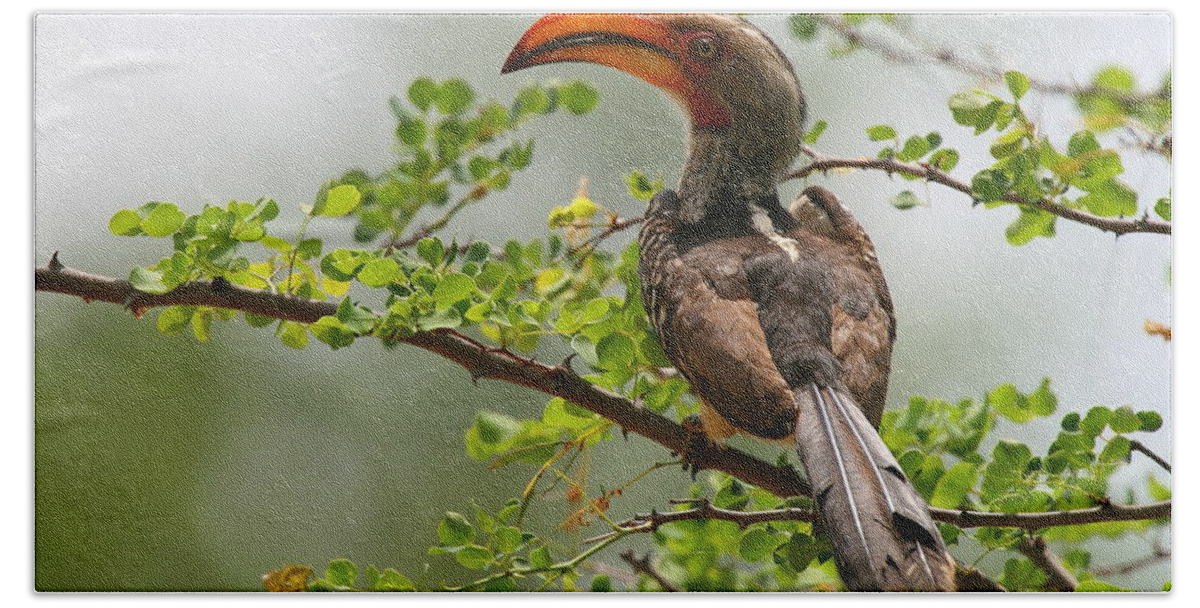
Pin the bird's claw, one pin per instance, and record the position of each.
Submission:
(698, 446)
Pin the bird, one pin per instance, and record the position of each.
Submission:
(780, 319)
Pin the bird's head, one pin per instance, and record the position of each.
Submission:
(737, 88)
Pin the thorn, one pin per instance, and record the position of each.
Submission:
(625, 433)
(54, 264)
(220, 284)
(566, 363)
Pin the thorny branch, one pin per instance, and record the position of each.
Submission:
(928, 172)
(482, 361)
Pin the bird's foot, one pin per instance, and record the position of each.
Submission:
(698, 446)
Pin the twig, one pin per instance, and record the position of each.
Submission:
(1137, 446)
(428, 229)
(483, 361)
(642, 565)
(952, 59)
(615, 225)
(1158, 554)
(926, 171)
(1058, 577)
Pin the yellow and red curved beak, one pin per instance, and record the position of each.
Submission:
(642, 45)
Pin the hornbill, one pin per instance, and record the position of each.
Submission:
(781, 322)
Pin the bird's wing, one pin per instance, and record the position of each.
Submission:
(863, 325)
(714, 337)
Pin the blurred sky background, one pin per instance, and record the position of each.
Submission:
(163, 463)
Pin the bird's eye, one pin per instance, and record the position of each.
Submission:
(704, 48)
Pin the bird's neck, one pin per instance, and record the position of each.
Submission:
(727, 181)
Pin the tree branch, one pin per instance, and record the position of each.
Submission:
(483, 361)
(1138, 446)
(641, 565)
(1058, 577)
(480, 360)
(926, 171)
(952, 59)
(1157, 555)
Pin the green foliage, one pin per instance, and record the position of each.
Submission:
(1083, 176)
(520, 295)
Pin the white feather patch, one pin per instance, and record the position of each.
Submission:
(762, 223)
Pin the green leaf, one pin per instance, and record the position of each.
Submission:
(379, 273)
(1162, 208)
(201, 323)
(1008, 144)
(441, 319)
(1030, 223)
(615, 351)
(814, 133)
(881, 133)
(601, 583)
(339, 201)
(391, 580)
(149, 281)
(1021, 575)
(800, 551)
(355, 319)
(1095, 420)
(952, 488)
(1110, 198)
(540, 558)
(293, 335)
(494, 428)
(1082, 142)
(975, 109)
(411, 131)
(341, 572)
(757, 544)
(578, 97)
(1094, 586)
(532, 99)
(1115, 79)
(454, 97)
(1070, 422)
(422, 92)
(804, 27)
(431, 250)
(1043, 401)
(1018, 84)
(453, 288)
(508, 539)
(1116, 450)
(163, 220)
(454, 530)
(1151, 421)
(331, 331)
(914, 148)
(906, 200)
(174, 319)
(1157, 489)
(641, 186)
(474, 557)
(1124, 420)
(125, 222)
(945, 159)
(308, 248)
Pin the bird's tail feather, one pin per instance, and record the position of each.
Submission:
(883, 538)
